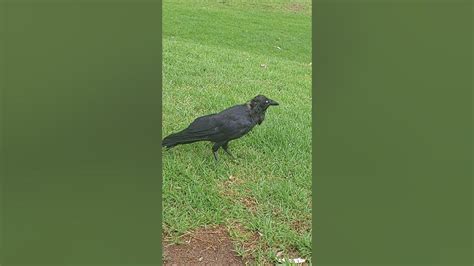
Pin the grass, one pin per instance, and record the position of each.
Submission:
(217, 54)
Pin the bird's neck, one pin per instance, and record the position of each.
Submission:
(257, 114)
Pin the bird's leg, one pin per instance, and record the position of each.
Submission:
(225, 147)
(214, 150)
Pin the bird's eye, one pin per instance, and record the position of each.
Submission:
(266, 101)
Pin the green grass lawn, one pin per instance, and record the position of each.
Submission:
(217, 54)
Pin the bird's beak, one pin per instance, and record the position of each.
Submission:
(274, 103)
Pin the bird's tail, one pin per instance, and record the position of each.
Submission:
(182, 137)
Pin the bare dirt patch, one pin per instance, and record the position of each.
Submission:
(204, 246)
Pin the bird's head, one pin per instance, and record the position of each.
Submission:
(261, 102)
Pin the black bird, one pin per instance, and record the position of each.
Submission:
(220, 128)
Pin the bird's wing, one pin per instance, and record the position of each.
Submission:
(203, 126)
(226, 125)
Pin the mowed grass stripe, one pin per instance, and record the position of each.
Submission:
(246, 30)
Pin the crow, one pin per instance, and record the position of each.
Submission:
(220, 128)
